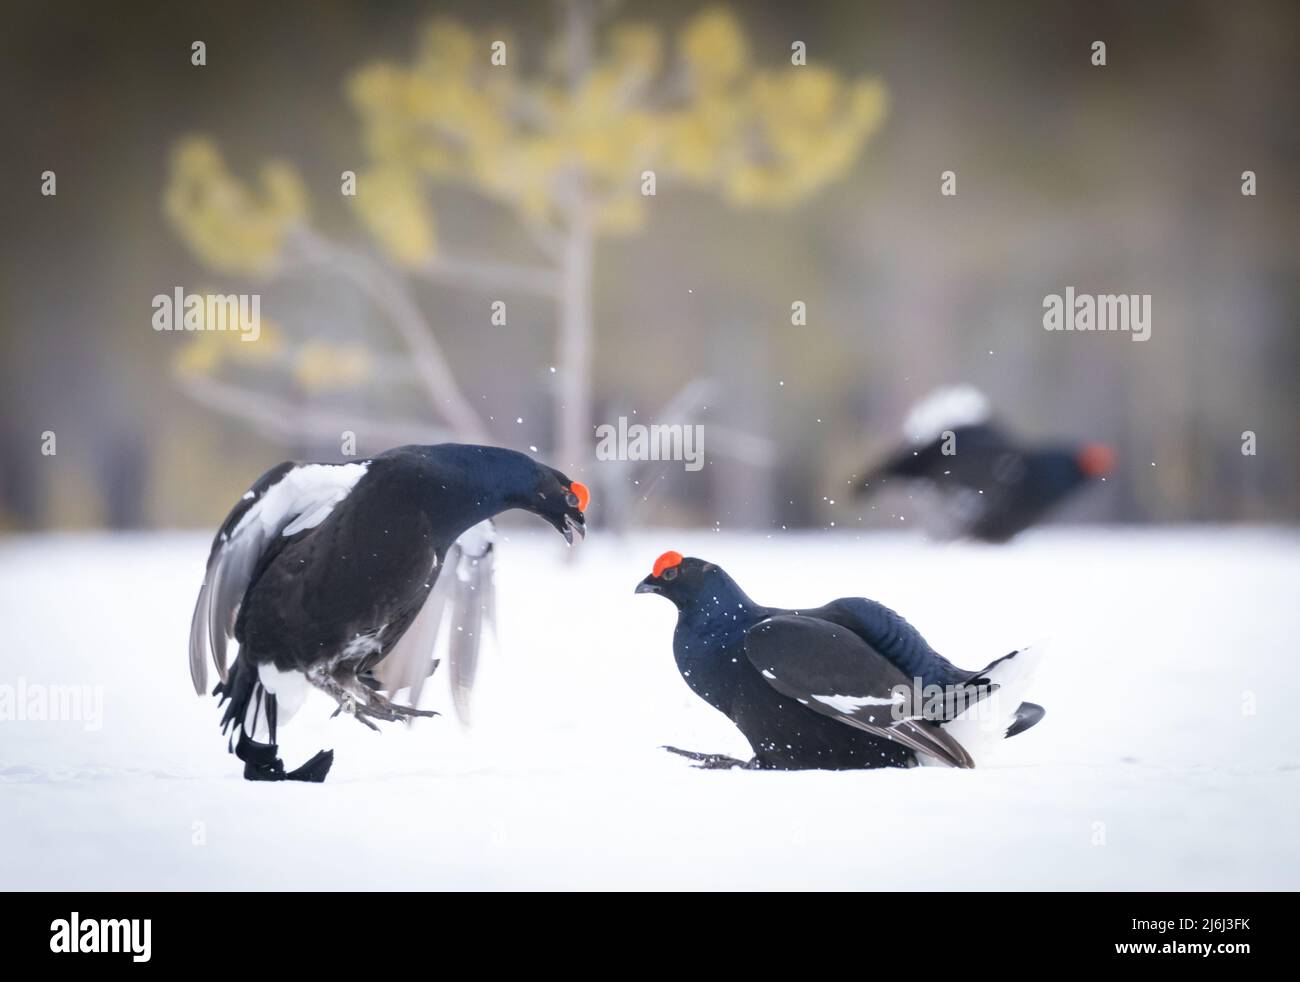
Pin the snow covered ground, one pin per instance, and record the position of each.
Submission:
(1169, 758)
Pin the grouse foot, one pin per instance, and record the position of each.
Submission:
(262, 763)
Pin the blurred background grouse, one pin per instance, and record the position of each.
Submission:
(977, 480)
(329, 575)
(844, 686)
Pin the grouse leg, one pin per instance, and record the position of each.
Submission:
(714, 762)
(358, 700)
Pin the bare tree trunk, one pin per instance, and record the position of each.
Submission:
(573, 393)
(573, 396)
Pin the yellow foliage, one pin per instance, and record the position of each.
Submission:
(392, 204)
(714, 48)
(320, 366)
(316, 366)
(205, 351)
(548, 144)
(446, 46)
(375, 87)
(622, 214)
(812, 126)
(227, 224)
(636, 51)
(199, 357)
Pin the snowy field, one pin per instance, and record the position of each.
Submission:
(1169, 757)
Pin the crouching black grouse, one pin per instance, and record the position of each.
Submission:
(848, 685)
(982, 482)
(329, 575)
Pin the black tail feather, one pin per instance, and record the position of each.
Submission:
(1027, 715)
(242, 690)
(236, 694)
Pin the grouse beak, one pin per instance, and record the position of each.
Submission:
(648, 585)
(576, 497)
(572, 525)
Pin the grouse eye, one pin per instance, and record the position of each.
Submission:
(570, 499)
(670, 573)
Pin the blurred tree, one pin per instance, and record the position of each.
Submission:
(571, 148)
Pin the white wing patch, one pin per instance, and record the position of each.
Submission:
(302, 499)
(847, 704)
(945, 409)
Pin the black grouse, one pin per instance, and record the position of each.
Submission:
(985, 484)
(845, 686)
(329, 575)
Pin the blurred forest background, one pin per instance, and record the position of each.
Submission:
(522, 183)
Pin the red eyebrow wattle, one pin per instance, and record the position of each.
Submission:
(668, 559)
(583, 495)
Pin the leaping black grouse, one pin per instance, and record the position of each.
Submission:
(983, 483)
(328, 575)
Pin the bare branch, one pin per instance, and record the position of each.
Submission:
(391, 294)
(548, 240)
(286, 420)
(749, 448)
(487, 275)
(726, 441)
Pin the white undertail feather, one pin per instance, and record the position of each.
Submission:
(290, 691)
(982, 728)
(945, 409)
